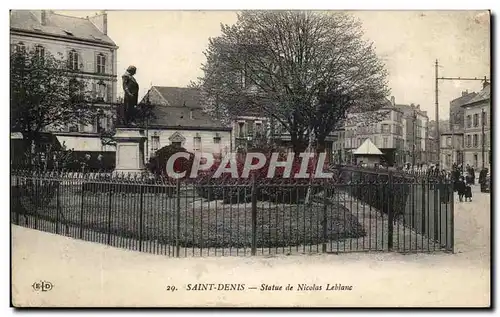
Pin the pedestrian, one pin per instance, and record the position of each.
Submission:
(468, 192)
(461, 187)
(473, 176)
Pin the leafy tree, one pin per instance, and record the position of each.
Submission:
(302, 69)
(45, 95)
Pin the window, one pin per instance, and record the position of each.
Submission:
(475, 138)
(475, 159)
(73, 60)
(476, 120)
(40, 51)
(375, 140)
(386, 143)
(469, 121)
(20, 47)
(177, 144)
(241, 126)
(485, 140)
(386, 128)
(250, 128)
(101, 64)
(448, 141)
(74, 89)
(197, 143)
(484, 120)
(101, 91)
(216, 139)
(155, 142)
(258, 128)
(468, 141)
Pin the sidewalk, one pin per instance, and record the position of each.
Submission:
(88, 274)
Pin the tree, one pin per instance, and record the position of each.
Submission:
(304, 70)
(45, 94)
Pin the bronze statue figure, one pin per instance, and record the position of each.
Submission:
(130, 100)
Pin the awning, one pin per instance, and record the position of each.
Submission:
(84, 144)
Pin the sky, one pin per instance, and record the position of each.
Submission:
(167, 48)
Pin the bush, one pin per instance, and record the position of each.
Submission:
(158, 164)
(376, 190)
(276, 189)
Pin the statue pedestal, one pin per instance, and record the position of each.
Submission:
(130, 151)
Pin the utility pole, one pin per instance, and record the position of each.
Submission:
(438, 135)
(483, 115)
(414, 138)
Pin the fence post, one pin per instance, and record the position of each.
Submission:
(324, 221)
(17, 200)
(178, 218)
(141, 212)
(390, 212)
(451, 224)
(81, 210)
(254, 216)
(437, 208)
(425, 190)
(110, 204)
(58, 206)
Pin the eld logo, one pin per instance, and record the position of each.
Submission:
(42, 286)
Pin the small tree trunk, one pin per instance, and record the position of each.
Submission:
(309, 150)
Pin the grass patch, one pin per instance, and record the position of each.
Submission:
(154, 217)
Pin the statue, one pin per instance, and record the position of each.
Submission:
(131, 90)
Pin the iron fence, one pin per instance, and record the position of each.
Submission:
(356, 210)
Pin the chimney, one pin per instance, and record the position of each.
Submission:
(465, 93)
(100, 20)
(393, 100)
(41, 16)
(485, 84)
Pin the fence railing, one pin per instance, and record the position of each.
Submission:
(357, 210)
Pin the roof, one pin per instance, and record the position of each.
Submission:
(183, 109)
(180, 96)
(57, 24)
(367, 148)
(481, 96)
(463, 99)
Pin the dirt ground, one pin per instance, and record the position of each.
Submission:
(88, 274)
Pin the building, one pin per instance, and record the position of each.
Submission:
(432, 140)
(415, 132)
(89, 51)
(457, 111)
(253, 126)
(451, 148)
(179, 119)
(386, 133)
(477, 127)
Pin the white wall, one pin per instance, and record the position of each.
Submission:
(207, 140)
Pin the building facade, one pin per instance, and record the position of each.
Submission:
(457, 117)
(179, 119)
(386, 133)
(415, 132)
(477, 127)
(452, 148)
(90, 52)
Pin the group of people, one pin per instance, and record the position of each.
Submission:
(462, 183)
